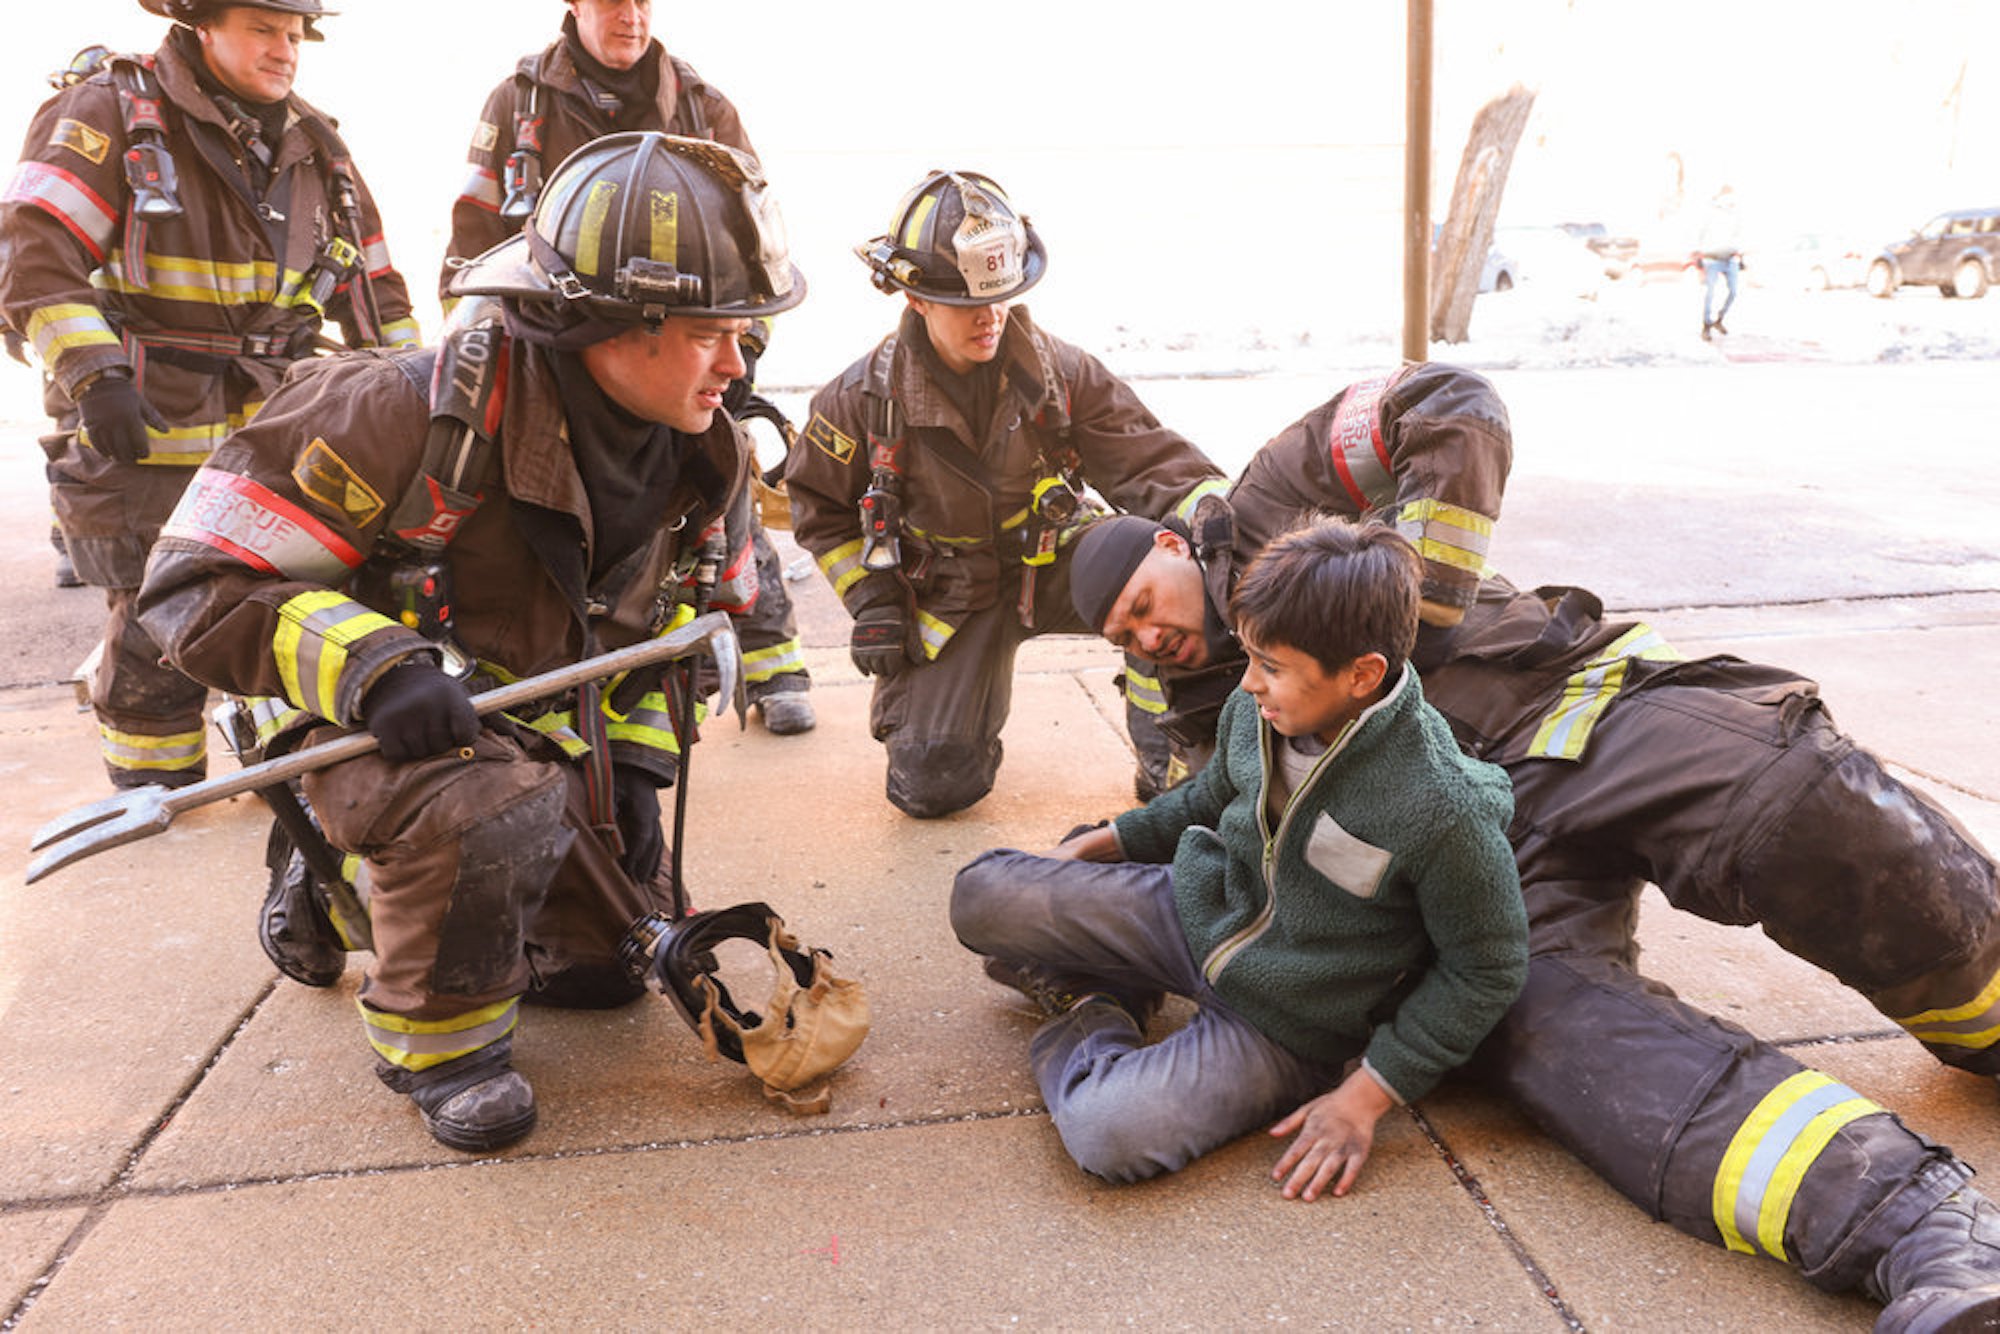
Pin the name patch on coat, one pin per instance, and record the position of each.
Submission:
(1355, 866)
(82, 140)
(326, 478)
(487, 135)
(827, 438)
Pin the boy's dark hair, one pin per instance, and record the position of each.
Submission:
(1334, 589)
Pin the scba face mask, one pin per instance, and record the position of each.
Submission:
(813, 1021)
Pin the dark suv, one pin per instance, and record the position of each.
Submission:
(1958, 253)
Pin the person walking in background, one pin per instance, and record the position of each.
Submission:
(1721, 246)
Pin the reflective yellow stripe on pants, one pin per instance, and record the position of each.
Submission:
(419, 1044)
(1770, 1155)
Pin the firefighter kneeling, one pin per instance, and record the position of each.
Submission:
(500, 861)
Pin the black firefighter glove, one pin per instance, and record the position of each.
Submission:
(416, 711)
(115, 416)
(635, 796)
(880, 643)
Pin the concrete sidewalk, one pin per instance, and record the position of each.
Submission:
(189, 1142)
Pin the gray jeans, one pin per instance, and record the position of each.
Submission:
(1127, 1110)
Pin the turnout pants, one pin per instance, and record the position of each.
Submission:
(767, 630)
(940, 720)
(484, 881)
(1735, 794)
(149, 717)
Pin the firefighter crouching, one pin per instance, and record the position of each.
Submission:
(940, 480)
(178, 227)
(605, 74)
(500, 862)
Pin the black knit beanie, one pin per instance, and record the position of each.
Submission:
(1103, 559)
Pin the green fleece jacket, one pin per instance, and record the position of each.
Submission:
(1384, 909)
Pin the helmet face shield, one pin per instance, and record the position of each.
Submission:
(956, 239)
(634, 228)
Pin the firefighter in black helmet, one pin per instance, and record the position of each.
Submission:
(182, 227)
(600, 342)
(942, 477)
(603, 74)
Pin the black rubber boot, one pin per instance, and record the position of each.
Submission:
(294, 928)
(1944, 1273)
(474, 1104)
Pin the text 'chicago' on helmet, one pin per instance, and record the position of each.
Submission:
(192, 12)
(638, 226)
(957, 239)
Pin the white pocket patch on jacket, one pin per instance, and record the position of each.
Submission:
(1355, 866)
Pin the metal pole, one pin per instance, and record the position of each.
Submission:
(1417, 185)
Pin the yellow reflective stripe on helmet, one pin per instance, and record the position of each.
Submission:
(762, 664)
(1974, 1024)
(913, 226)
(1447, 534)
(1589, 691)
(933, 632)
(64, 327)
(419, 1044)
(1770, 1154)
(314, 633)
(1144, 693)
(842, 566)
(590, 231)
(137, 750)
(1214, 486)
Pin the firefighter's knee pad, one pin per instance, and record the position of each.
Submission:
(928, 779)
(505, 863)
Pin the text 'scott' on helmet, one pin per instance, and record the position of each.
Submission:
(192, 12)
(635, 227)
(812, 1023)
(957, 239)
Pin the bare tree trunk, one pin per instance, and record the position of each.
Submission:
(1475, 203)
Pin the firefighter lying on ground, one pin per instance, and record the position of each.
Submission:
(178, 228)
(1335, 886)
(502, 862)
(1723, 782)
(939, 481)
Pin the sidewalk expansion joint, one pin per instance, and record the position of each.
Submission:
(1477, 1193)
(100, 1202)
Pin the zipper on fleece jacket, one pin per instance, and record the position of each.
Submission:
(1222, 955)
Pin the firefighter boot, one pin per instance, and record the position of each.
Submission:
(1944, 1273)
(474, 1103)
(787, 713)
(294, 928)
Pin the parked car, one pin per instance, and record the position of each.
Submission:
(1549, 257)
(1617, 252)
(1497, 274)
(1813, 262)
(1956, 252)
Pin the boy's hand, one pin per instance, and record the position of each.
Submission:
(1099, 844)
(1335, 1132)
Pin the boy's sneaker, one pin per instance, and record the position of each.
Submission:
(1056, 994)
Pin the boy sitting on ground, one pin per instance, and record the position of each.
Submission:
(1340, 886)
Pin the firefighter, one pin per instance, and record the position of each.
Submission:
(606, 73)
(1723, 782)
(178, 228)
(501, 861)
(940, 479)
